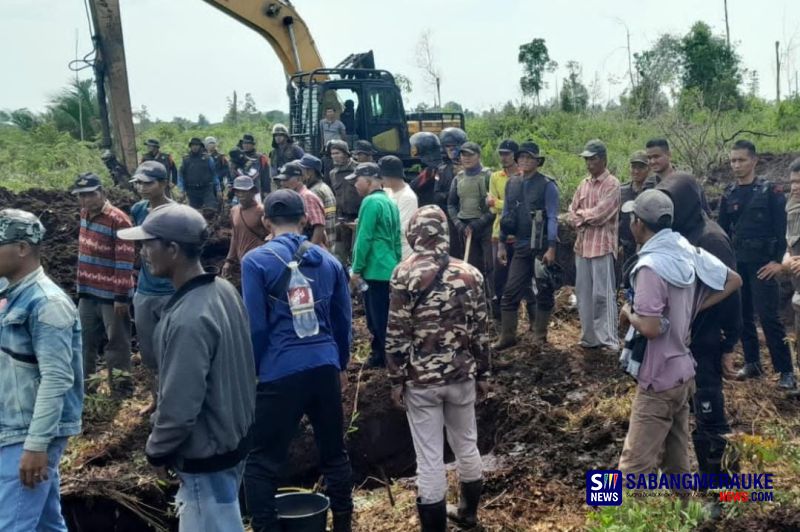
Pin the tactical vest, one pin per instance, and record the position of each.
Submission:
(526, 217)
(472, 194)
(197, 171)
(752, 236)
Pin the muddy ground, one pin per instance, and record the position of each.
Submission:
(552, 415)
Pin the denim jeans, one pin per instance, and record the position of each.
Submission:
(23, 509)
(209, 502)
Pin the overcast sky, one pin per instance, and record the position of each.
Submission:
(185, 57)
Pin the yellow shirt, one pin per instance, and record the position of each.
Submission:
(497, 188)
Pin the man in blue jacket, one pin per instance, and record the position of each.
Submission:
(296, 376)
(41, 378)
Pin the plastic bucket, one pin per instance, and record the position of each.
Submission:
(302, 512)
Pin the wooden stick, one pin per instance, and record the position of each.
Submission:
(466, 248)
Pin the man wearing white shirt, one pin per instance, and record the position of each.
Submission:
(402, 194)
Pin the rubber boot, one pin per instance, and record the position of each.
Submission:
(342, 521)
(432, 517)
(465, 514)
(531, 308)
(540, 326)
(508, 330)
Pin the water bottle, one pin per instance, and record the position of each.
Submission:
(362, 284)
(301, 303)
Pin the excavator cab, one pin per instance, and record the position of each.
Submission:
(367, 101)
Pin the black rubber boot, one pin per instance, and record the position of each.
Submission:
(342, 521)
(465, 514)
(531, 308)
(540, 326)
(432, 517)
(508, 331)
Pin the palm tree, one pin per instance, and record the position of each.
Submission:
(75, 110)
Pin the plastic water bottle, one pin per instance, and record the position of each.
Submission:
(362, 284)
(301, 303)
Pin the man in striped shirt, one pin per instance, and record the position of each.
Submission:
(105, 281)
(593, 213)
(312, 177)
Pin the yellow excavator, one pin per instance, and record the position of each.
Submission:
(367, 100)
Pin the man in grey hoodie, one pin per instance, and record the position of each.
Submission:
(207, 380)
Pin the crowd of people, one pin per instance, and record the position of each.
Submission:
(435, 261)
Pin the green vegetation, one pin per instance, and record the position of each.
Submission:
(645, 514)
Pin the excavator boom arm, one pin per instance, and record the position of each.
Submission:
(278, 22)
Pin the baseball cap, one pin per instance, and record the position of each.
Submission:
(248, 138)
(391, 166)
(532, 149)
(289, 170)
(153, 142)
(87, 182)
(309, 161)
(149, 171)
(20, 226)
(639, 156)
(370, 170)
(244, 182)
(650, 205)
(195, 140)
(508, 146)
(283, 202)
(470, 147)
(594, 147)
(173, 222)
(210, 140)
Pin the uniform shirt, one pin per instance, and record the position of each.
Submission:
(598, 200)
(148, 284)
(332, 130)
(167, 161)
(406, 201)
(248, 231)
(324, 192)
(105, 262)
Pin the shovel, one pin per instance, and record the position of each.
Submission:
(467, 246)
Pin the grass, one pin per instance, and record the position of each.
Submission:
(646, 514)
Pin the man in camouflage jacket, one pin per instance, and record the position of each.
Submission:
(438, 357)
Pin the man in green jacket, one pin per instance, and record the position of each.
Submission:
(376, 252)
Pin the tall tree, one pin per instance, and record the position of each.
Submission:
(657, 69)
(711, 67)
(574, 95)
(535, 61)
(426, 62)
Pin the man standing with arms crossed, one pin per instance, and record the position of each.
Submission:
(41, 379)
(594, 214)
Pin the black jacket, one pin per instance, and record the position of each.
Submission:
(719, 327)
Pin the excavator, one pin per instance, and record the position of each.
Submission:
(367, 100)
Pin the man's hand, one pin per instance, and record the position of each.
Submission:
(490, 199)
(502, 254)
(343, 380)
(467, 231)
(226, 270)
(121, 309)
(625, 315)
(397, 397)
(793, 263)
(728, 371)
(769, 270)
(355, 280)
(482, 388)
(549, 256)
(32, 468)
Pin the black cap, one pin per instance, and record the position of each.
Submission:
(290, 170)
(363, 146)
(172, 222)
(508, 145)
(470, 147)
(248, 138)
(195, 140)
(532, 149)
(391, 166)
(149, 171)
(152, 143)
(87, 182)
(283, 203)
(370, 170)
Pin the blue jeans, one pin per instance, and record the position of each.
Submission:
(23, 509)
(209, 502)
